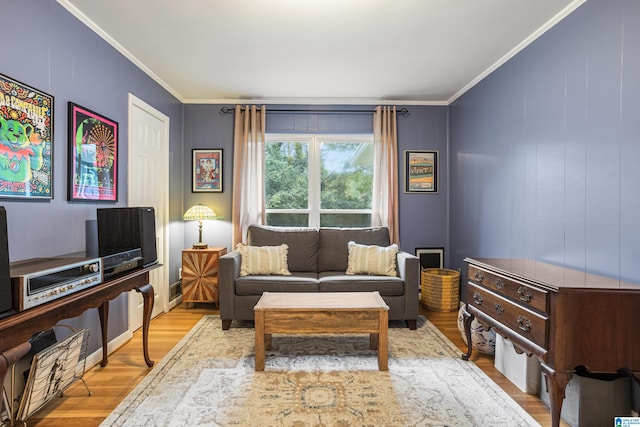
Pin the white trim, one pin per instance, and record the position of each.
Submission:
(313, 101)
(96, 357)
(513, 52)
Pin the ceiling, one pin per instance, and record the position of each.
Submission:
(319, 51)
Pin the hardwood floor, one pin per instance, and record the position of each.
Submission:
(126, 369)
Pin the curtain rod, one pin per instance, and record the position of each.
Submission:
(402, 111)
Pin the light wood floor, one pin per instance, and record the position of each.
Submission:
(126, 369)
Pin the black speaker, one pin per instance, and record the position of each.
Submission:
(6, 299)
(123, 229)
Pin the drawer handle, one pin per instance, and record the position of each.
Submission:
(477, 298)
(499, 309)
(525, 294)
(500, 284)
(524, 324)
(478, 276)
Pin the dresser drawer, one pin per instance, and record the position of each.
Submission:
(529, 296)
(526, 323)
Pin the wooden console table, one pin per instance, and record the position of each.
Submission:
(565, 317)
(16, 330)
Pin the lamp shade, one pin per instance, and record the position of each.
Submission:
(199, 212)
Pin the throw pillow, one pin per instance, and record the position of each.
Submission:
(263, 260)
(372, 259)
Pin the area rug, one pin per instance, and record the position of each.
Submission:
(208, 379)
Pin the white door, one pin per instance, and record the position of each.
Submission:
(148, 185)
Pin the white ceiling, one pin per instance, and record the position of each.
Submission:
(319, 51)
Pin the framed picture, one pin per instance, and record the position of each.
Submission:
(421, 171)
(26, 141)
(207, 171)
(430, 257)
(93, 156)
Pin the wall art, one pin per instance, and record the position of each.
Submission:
(93, 156)
(26, 141)
(421, 171)
(207, 171)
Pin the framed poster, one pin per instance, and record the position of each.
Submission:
(93, 156)
(26, 141)
(430, 257)
(207, 171)
(421, 171)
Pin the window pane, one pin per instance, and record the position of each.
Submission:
(345, 220)
(288, 219)
(286, 175)
(346, 175)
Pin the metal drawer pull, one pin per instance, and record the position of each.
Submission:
(500, 284)
(499, 309)
(477, 298)
(524, 323)
(525, 294)
(478, 276)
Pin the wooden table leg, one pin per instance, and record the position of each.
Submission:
(259, 327)
(383, 341)
(103, 313)
(147, 295)
(7, 359)
(556, 383)
(468, 318)
(374, 341)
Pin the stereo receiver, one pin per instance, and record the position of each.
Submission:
(40, 280)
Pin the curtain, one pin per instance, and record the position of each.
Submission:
(385, 180)
(248, 170)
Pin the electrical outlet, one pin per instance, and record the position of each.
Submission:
(180, 273)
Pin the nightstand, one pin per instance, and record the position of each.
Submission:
(200, 274)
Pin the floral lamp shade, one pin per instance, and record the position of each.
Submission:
(199, 213)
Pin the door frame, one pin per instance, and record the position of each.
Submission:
(135, 102)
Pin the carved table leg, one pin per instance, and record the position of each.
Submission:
(556, 383)
(468, 318)
(147, 295)
(103, 313)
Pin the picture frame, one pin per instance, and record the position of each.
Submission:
(430, 257)
(26, 141)
(421, 171)
(93, 156)
(206, 170)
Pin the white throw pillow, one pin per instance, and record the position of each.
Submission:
(372, 259)
(263, 260)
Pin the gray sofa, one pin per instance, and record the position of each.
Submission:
(317, 260)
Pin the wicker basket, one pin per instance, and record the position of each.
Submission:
(440, 289)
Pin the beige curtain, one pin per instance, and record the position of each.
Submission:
(248, 169)
(385, 180)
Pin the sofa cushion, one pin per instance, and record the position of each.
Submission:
(302, 242)
(297, 282)
(338, 281)
(333, 252)
(372, 259)
(263, 260)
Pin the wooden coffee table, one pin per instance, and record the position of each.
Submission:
(319, 313)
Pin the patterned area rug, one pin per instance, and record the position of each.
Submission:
(208, 379)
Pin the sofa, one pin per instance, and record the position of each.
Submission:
(317, 260)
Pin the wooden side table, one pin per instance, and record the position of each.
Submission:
(200, 274)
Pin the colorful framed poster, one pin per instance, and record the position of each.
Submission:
(93, 156)
(207, 171)
(26, 141)
(421, 171)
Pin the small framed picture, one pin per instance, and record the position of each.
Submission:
(421, 171)
(93, 156)
(430, 257)
(207, 171)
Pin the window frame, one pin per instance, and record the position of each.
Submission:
(314, 141)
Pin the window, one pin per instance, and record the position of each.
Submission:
(319, 180)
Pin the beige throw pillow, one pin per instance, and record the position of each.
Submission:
(263, 260)
(374, 260)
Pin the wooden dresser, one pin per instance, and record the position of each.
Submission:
(565, 317)
(200, 274)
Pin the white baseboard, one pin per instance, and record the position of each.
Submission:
(96, 357)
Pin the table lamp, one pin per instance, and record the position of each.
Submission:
(199, 213)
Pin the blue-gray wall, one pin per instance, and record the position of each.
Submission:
(423, 217)
(49, 49)
(544, 151)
